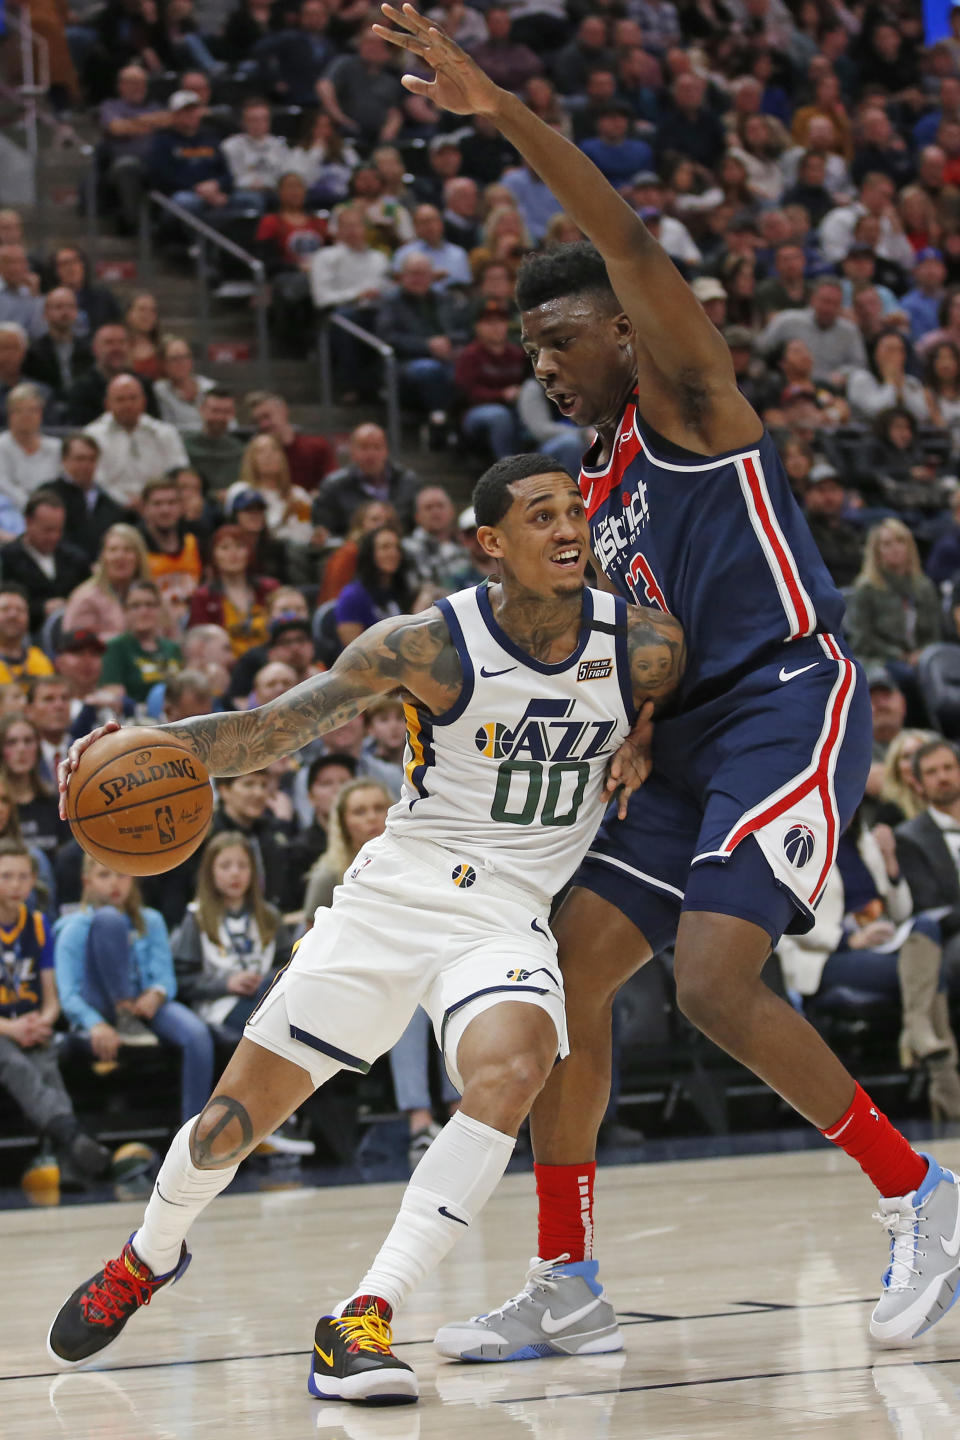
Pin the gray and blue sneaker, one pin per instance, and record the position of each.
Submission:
(922, 1281)
(561, 1310)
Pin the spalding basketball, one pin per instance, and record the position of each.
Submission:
(139, 801)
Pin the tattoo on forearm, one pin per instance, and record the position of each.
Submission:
(657, 651)
(205, 1153)
(414, 653)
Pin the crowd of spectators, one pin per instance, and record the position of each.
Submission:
(171, 547)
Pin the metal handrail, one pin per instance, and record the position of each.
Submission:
(207, 235)
(387, 355)
(33, 85)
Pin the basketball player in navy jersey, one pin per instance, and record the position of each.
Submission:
(521, 698)
(729, 843)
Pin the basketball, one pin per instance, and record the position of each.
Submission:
(139, 802)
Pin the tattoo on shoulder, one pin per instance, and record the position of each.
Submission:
(423, 645)
(207, 1151)
(657, 651)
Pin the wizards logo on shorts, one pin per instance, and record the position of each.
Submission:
(463, 876)
(799, 844)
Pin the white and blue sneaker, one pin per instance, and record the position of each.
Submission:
(922, 1281)
(561, 1310)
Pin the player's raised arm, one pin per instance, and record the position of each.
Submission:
(410, 652)
(655, 297)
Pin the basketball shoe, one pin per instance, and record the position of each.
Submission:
(921, 1281)
(561, 1310)
(352, 1359)
(94, 1316)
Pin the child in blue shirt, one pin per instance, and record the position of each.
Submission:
(116, 980)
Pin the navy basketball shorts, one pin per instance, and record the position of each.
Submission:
(749, 795)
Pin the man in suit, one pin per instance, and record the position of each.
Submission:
(90, 511)
(85, 401)
(58, 358)
(928, 847)
(41, 561)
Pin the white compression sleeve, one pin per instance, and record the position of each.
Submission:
(181, 1192)
(448, 1189)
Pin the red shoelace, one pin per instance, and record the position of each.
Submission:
(117, 1292)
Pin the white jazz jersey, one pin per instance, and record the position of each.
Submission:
(511, 778)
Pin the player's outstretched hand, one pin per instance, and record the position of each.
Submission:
(458, 84)
(66, 767)
(630, 766)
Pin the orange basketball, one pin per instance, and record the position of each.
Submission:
(139, 801)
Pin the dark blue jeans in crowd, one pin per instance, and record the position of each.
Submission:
(111, 976)
(426, 384)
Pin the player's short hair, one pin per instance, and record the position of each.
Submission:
(576, 268)
(16, 848)
(492, 496)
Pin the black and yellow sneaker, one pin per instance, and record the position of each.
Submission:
(97, 1311)
(352, 1359)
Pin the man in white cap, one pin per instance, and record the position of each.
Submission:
(186, 161)
(713, 298)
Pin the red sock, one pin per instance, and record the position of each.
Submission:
(565, 1224)
(867, 1136)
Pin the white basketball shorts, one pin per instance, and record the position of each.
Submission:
(412, 924)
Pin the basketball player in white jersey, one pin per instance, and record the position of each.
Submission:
(527, 704)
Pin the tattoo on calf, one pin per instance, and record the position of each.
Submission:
(203, 1149)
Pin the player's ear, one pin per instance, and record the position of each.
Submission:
(490, 541)
(623, 330)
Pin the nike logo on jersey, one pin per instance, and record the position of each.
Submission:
(491, 674)
(951, 1247)
(786, 674)
(448, 1216)
(550, 1326)
(327, 1359)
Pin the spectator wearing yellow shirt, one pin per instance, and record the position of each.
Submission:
(19, 659)
(173, 554)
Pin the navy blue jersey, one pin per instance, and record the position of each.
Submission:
(720, 543)
(26, 950)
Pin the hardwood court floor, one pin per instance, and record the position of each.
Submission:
(744, 1286)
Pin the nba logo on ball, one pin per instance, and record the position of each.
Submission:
(463, 876)
(799, 844)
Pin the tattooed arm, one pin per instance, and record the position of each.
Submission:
(658, 656)
(412, 652)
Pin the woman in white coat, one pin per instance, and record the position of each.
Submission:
(867, 938)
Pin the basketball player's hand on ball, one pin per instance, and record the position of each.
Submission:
(66, 767)
(458, 84)
(630, 766)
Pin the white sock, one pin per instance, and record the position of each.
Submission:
(179, 1195)
(459, 1173)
